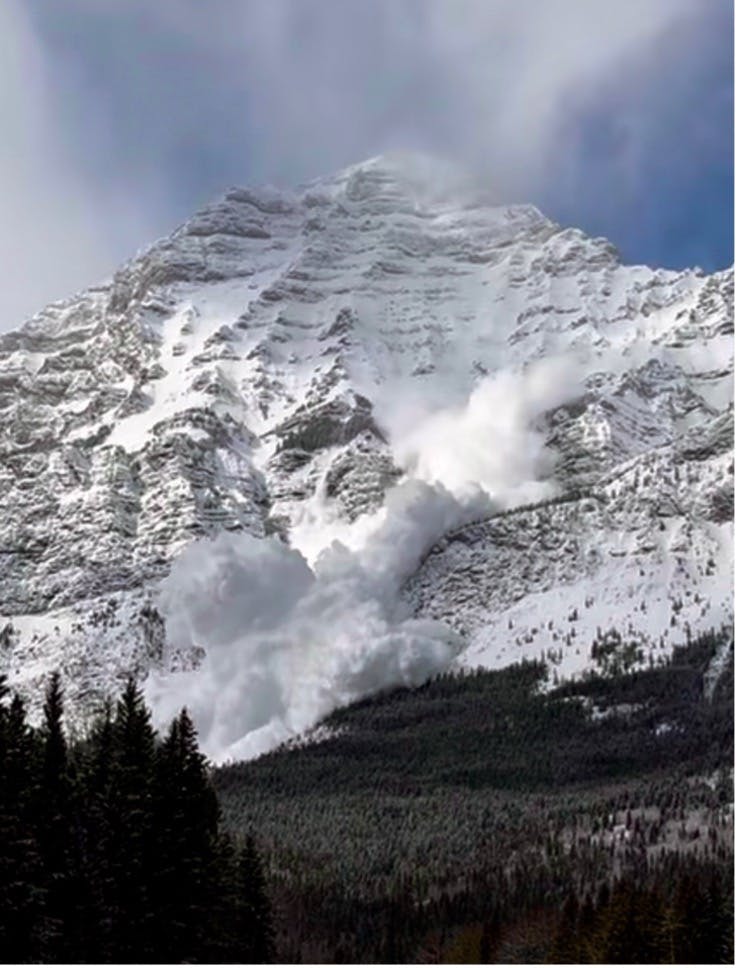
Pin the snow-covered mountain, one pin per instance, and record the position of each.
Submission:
(284, 359)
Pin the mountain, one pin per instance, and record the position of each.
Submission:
(283, 359)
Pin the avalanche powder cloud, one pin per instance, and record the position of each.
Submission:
(286, 641)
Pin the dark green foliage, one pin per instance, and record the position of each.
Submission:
(254, 913)
(480, 818)
(678, 913)
(187, 875)
(496, 730)
(111, 849)
(55, 827)
(454, 820)
(132, 835)
(21, 878)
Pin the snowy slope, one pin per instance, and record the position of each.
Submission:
(284, 358)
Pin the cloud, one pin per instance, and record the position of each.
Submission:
(286, 639)
(499, 83)
(286, 644)
(490, 441)
(56, 232)
(120, 118)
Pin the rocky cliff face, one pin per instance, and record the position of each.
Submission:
(247, 365)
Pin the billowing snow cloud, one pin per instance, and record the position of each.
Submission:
(287, 644)
(491, 440)
(287, 641)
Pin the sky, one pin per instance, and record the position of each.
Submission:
(121, 118)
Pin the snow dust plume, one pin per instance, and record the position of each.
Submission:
(287, 641)
(491, 440)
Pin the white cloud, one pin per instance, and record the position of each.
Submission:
(120, 118)
(550, 59)
(500, 84)
(57, 233)
(491, 441)
(285, 642)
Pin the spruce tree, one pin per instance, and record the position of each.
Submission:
(21, 893)
(257, 934)
(96, 816)
(565, 940)
(111, 848)
(54, 829)
(130, 814)
(187, 831)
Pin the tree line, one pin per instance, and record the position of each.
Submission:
(112, 847)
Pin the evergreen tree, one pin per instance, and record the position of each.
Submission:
(490, 934)
(111, 848)
(94, 818)
(132, 835)
(700, 912)
(257, 934)
(672, 933)
(630, 925)
(187, 825)
(100, 754)
(53, 814)
(21, 892)
(565, 947)
(54, 776)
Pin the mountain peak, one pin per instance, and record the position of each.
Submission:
(276, 365)
(415, 181)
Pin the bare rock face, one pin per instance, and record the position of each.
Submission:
(237, 368)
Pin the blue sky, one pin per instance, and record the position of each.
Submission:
(121, 118)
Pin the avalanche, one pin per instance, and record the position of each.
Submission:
(386, 348)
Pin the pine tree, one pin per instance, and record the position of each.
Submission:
(672, 933)
(698, 907)
(630, 925)
(585, 927)
(111, 848)
(257, 935)
(54, 777)
(100, 754)
(130, 813)
(187, 824)
(96, 815)
(490, 934)
(54, 833)
(21, 894)
(565, 941)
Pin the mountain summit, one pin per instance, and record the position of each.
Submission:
(283, 360)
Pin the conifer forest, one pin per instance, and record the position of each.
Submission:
(480, 818)
(112, 849)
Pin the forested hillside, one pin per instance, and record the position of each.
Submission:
(483, 818)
